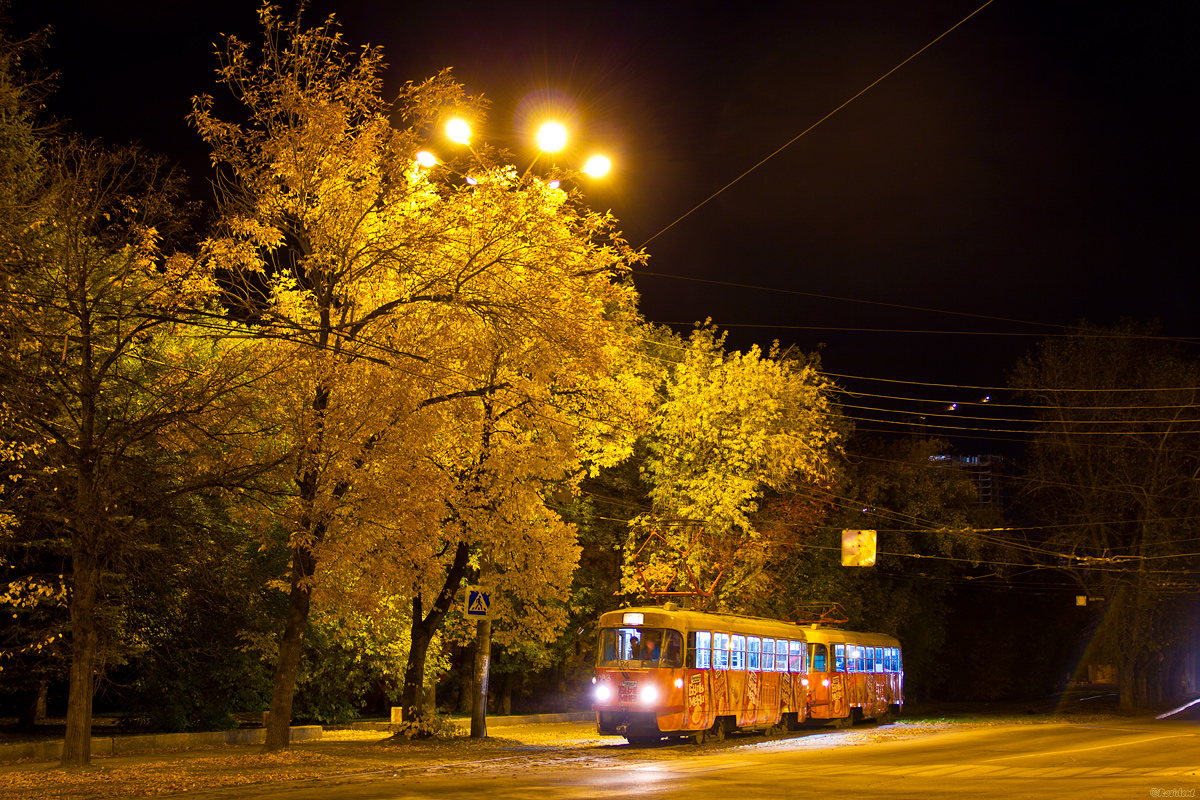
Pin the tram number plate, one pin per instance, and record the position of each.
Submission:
(628, 692)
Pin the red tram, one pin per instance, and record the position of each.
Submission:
(666, 671)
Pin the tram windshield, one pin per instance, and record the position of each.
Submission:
(652, 647)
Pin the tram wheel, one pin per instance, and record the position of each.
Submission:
(699, 737)
(717, 731)
(841, 723)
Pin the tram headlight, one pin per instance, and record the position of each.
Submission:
(825, 682)
(603, 693)
(649, 694)
(804, 681)
(679, 683)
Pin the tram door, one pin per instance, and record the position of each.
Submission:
(818, 680)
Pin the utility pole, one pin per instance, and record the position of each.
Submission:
(479, 607)
(483, 658)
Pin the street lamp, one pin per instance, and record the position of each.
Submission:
(459, 130)
(551, 138)
(597, 166)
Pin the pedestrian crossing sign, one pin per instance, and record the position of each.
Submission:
(858, 548)
(479, 603)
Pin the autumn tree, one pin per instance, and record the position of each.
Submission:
(727, 428)
(440, 331)
(126, 410)
(1111, 477)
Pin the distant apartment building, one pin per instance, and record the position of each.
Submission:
(987, 472)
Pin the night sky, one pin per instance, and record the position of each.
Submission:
(1034, 167)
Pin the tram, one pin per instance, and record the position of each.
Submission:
(853, 676)
(662, 671)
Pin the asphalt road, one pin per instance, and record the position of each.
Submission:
(1114, 759)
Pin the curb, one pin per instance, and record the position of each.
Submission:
(116, 745)
(492, 722)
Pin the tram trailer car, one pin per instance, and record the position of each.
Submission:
(852, 676)
(664, 671)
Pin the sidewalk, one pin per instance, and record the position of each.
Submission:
(335, 753)
(167, 742)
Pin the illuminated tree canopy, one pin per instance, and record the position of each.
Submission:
(454, 347)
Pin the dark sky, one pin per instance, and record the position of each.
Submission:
(1034, 167)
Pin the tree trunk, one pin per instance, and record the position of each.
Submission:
(85, 589)
(43, 697)
(413, 696)
(279, 721)
(27, 708)
(1125, 683)
(466, 678)
(483, 663)
(506, 690)
(423, 629)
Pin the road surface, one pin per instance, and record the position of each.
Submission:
(1135, 758)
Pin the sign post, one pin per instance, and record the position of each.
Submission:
(479, 608)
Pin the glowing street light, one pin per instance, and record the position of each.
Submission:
(552, 137)
(459, 130)
(426, 159)
(597, 166)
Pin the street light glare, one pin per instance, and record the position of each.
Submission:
(551, 137)
(426, 158)
(459, 130)
(598, 166)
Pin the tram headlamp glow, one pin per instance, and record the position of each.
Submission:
(603, 693)
(804, 681)
(825, 682)
(649, 694)
(679, 683)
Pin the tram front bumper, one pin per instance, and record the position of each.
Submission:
(623, 722)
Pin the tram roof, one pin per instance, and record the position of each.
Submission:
(686, 618)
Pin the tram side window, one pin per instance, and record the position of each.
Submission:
(672, 656)
(879, 659)
(818, 657)
(781, 655)
(699, 650)
(768, 656)
(870, 659)
(852, 653)
(720, 651)
(899, 661)
(796, 657)
(752, 662)
(860, 659)
(839, 658)
(737, 652)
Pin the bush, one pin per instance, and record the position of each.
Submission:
(429, 725)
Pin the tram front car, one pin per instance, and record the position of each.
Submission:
(640, 676)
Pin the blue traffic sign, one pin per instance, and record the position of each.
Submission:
(479, 603)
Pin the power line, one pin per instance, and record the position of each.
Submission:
(815, 124)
